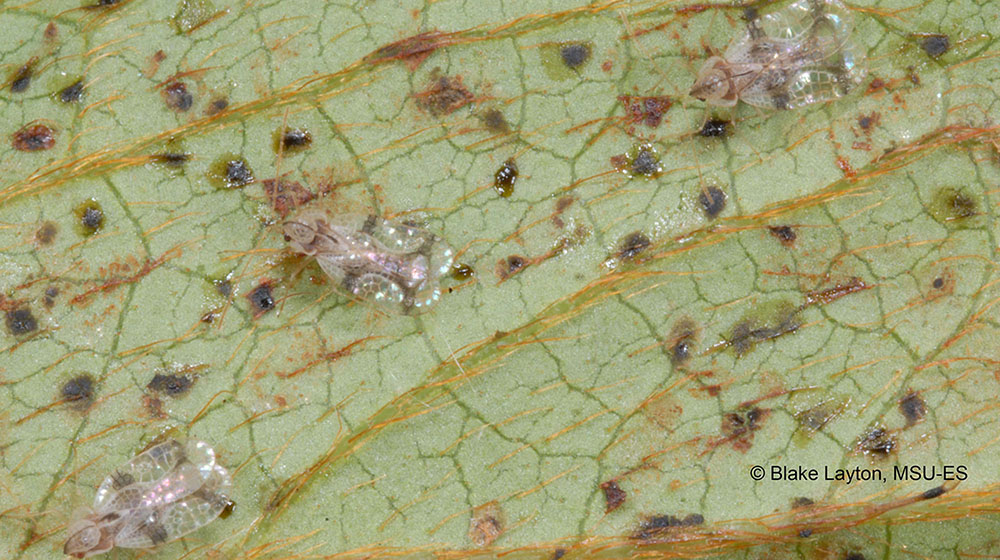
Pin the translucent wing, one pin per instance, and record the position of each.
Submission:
(400, 238)
(378, 289)
(144, 469)
(805, 18)
(150, 526)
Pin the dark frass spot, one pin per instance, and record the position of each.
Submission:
(78, 391)
(223, 287)
(510, 266)
(935, 45)
(660, 524)
(681, 342)
(766, 323)
(217, 105)
(228, 509)
(866, 122)
(932, 493)
(913, 408)
(90, 217)
(877, 442)
(230, 171)
(813, 419)
(938, 283)
(633, 244)
(50, 296)
(614, 496)
(72, 93)
(574, 55)
(21, 79)
(292, 139)
(462, 271)
(20, 321)
(805, 533)
(171, 384)
(505, 177)
(801, 502)
(738, 427)
(855, 556)
(559, 553)
(46, 233)
(445, 94)
(784, 234)
(51, 31)
(33, 138)
(641, 159)
(261, 299)
(955, 208)
(714, 128)
(171, 159)
(495, 121)
(713, 201)
(177, 97)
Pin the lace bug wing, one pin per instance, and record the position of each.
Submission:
(151, 526)
(139, 472)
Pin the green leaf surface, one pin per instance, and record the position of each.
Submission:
(618, 345)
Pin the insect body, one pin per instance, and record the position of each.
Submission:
(395, 265)
(799, 55)
(158, 496)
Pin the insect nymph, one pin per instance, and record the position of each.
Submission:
(799, 55)
(159, 495)
(395, 265)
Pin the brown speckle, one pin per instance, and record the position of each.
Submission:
(801, 502)
(286, 196)
(713, 201)
(681, 342)
(738, 427)
(21, 79)
(51, 31)
(614, 496)
(46, 233)
(633, 245)
(177, 97)
(20, 321)
(867, 122)
(785, 234)
(752, 330)
(50, 296)
(217, 105)
(171, 384)
(913, 408)
(486, 524)
(443, 96)
(646, 110)
(33, 138)
(495, 121)
(505, 177)
(261, 300)
(877, 442)
(78, 391)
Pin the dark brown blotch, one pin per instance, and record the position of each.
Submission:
(445, 95)
(21, 79)
(932, 493)
(78, 391)
(614, 496)
(633, 245)
(217, 105)
(261, 299)
(738, 427)
(33, 138)
(912, 407)
(495, 121)
(877, 442)
(292, 139)
(173, 385)
(784, 234)
(228, 509)
(750, 331)
(712, 201)
(46, 233)
(50, 296)
(171, 159)
(680, 345)
(646, 110)
(575, 54)
(21, 321)
(801, 502)
(286, 196)
(71, 93)
(177, 97)
(505, 177)
(641, 160)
